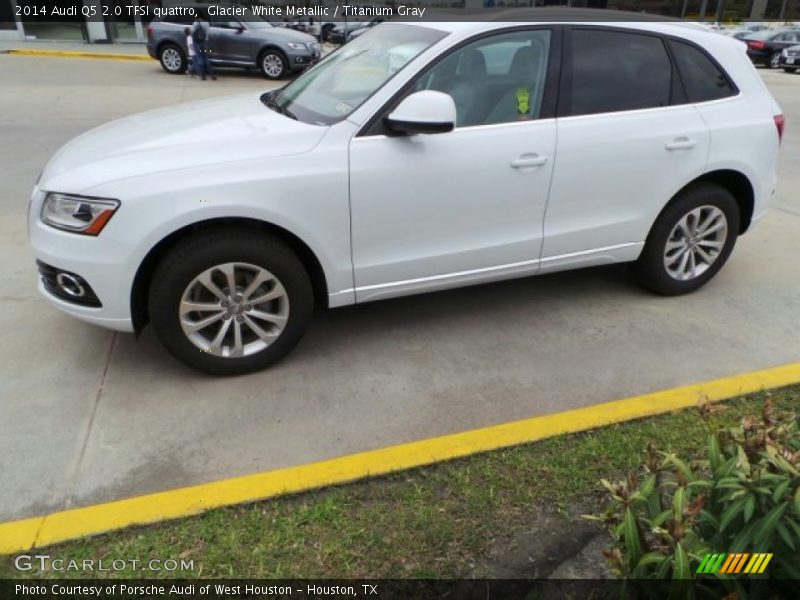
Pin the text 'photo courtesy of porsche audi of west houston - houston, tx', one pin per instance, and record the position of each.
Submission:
(418, 157)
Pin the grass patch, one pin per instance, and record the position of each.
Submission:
(437, 521)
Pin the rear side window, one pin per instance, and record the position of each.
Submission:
(614, 71)
(702, 79)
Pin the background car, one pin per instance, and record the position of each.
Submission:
(790, 59)
(249, 43)
(342, 32)
(764, 47)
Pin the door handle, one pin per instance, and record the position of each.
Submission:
(681, 143)
(529, 160)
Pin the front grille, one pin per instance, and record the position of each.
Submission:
(50, 279)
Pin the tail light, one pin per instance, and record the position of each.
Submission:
(149, 30)
(780, 123)
(756, 45)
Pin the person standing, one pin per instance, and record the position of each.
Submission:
(192, 70)
(200, 39)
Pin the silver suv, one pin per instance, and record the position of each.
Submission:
(248, 42)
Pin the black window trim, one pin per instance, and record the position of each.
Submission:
(375, 126)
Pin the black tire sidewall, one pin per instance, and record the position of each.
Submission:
(280, 55)
(650, 267)
(191, 257)
(184, 61)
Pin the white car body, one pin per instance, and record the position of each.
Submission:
(382, 217)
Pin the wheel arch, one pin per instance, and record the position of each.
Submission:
(738, 184)
(141, 281)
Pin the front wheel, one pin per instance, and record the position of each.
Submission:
(690, 241)
(273, 64)
(790, 69)
(172, 59)
(231, 301)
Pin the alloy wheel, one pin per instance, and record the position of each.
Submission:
(234, 310)
(695, 243)
(273, 65)
(171, 59)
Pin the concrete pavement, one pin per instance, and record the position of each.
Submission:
(89, 416)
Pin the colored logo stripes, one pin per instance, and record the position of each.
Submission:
(741, 562)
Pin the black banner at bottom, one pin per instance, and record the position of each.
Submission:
(395, 589)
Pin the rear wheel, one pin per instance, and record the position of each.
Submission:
(774, 60)
(690, 241)
(273, 64)
(230, 301)
(326, 32)
(172, 59)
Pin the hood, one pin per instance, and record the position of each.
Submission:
(206, 133)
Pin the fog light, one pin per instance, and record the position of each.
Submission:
(67, 286)
(70, 285)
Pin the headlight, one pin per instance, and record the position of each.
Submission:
(78, 214)
(296, 46)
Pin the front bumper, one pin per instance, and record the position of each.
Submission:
(102, 263)
(792, 61)
(304, 59)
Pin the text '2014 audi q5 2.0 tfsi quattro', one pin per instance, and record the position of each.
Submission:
(418, 157)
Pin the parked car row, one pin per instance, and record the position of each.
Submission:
(766, 47)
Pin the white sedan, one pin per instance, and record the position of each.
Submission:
(418, 157)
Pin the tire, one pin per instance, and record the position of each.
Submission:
(273, 64)
(790, 69)
(195, 272)
(326, 32)
(663, 269)
(172, 59)
(774, 60)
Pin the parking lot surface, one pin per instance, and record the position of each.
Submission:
(87, 415)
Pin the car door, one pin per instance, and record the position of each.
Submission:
(227, 39)
(434, 211)
(627, 142)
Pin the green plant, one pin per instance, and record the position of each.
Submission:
(742, 496)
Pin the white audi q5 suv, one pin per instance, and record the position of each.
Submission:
(418, 157)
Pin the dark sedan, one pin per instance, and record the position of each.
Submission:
(790, 59)
(764, 47)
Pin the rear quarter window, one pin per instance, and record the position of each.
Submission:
(702, 79)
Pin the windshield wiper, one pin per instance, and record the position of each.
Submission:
(269, 99)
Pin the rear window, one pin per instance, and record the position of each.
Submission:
(702, 79)
(614, 71)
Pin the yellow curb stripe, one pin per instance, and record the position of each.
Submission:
(69, 524)
(77, 54)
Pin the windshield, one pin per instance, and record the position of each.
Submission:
(255, 21)
(329, 92)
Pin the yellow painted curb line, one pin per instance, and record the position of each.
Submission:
(77, 54)
(18, 536)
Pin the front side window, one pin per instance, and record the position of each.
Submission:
(332, 90)
(702, 79)
(498, 79)
(614, 71)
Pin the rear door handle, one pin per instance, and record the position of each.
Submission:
(681, 143)
(528, 161)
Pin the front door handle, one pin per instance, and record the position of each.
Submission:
(528, 161)
(681, 143)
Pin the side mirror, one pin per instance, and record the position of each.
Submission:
(235, 25)
(423, 112)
